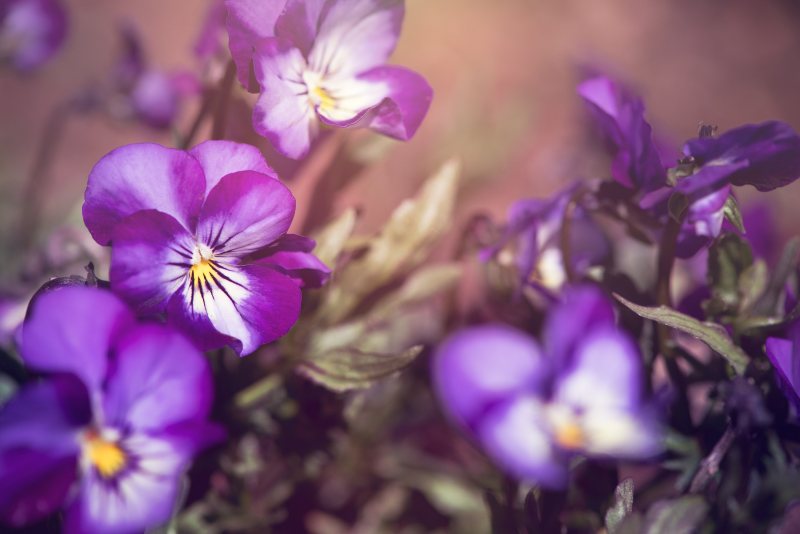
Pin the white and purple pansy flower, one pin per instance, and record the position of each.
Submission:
(201, 236)
(534, 408)
(108, 432)
(323, 62)
(31, 32)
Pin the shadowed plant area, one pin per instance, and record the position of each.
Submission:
(389, 266)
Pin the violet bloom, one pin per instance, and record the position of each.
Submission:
(201, 236)
(533, 409)
(150, 95)
(639, 161)
(532, 241)
(108, 434)
(323, 62)
(31, 31)
(784, 354)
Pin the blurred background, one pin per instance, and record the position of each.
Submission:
(503, 72)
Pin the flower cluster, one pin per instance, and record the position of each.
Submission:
(568, 375)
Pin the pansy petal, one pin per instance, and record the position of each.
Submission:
(582, 308)
(150, 259)
(707, 180)
(605, 373)
(219, 158)
(619, 114)
(142, 497)
(631, 434)
(250, 21)
(356, 35)
(246, 211)
(770, 151)
(283, 113)
(514, 435)
(159, 378)
(39, 447)
(194, 322)
(252, 305)
(299, 23)
(481, 366)
(71, 329)
(303, 267)
(142, 177)
(407, 101)
(781, 354)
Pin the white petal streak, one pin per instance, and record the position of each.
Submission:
(351, 97)
(218, 299)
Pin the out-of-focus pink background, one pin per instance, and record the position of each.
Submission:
(503, 72)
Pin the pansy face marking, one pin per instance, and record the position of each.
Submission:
(103, 452)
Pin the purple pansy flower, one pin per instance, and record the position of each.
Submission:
(531, 408)
(31, 31)
(639, 161)
(201, 236)
(532, 241)
(323, 61)
(109, 432)
(785, 357)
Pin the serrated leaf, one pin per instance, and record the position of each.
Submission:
(405, 241)
(623, 505)
(733, 214)
(678, 516)
(332, 238)
(347, 369)
(711, 334)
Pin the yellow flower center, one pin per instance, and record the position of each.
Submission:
(570, 435)
(202, 272)
(204, 269)
(322, 98)
(105, 455)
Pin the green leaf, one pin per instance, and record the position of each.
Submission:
(732, 212)
(678, 516)
(347, 369)
(711, 334)
(623, 505)
(728, 259)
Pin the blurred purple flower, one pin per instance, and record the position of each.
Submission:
(619, 114)
(533, 409)
(31, 31)
(149, 95)
(201, 236)
(209, 39)
(323, 61)
(108, 435)
(532, 241)
(785, 357)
